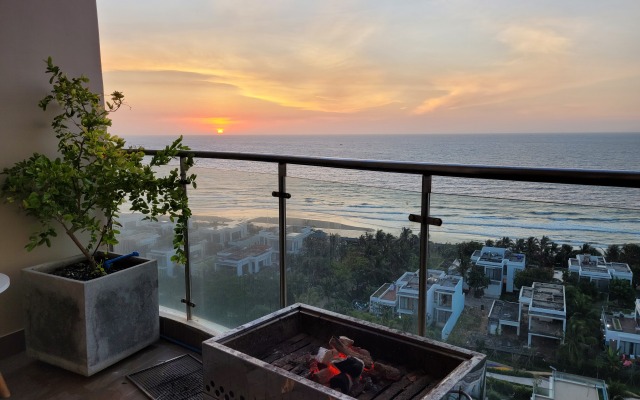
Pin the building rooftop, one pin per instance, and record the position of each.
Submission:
(390, 294)
(619, 267)
(412, 279)
(593, 269)
(504, 311)
(544, 296)
(381, 290)
(242, 253)
(548, 296)
(617, 321)
(448, 281)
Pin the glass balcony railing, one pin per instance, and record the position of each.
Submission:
(347, 242)
(260, 239)
(235, 277)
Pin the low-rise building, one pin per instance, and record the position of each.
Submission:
(501, 266)
(228, 233)
(445, 300)
(168, 268)
(504, 314)
(295, 240)
(248, 260)
(545, 306)
(597, 270)
(622, 331)
(563, 386)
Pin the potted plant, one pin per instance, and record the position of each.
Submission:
(112, 311)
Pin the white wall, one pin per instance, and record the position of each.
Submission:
(30, 31)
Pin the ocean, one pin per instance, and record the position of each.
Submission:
(471, 209)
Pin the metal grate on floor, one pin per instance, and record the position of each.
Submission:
(177, 379)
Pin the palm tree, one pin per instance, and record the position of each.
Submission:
(613, 253)
(532, 248)
(563, 255)
(616, 390)
(577, 342)
(519, 246)
(505, 242)
(611, 362)
(547, 251)
(586, 248)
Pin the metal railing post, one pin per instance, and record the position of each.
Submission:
(187, 265)
(424, 254)
(282, 230)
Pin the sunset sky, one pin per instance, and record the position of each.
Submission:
(370, 66)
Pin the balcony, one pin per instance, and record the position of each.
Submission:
(332, 244)
(343, 243)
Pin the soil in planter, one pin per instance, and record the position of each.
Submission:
(82, 271)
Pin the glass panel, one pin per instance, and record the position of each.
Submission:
(234, 246)
(155, 240)
(353, 250)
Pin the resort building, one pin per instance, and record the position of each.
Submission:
(597, 270)
(500, 265)
(445, 300)
(248, 260)
(563, 386)
(504, 314)
(227, 234)
(622, 331)
(295, 240)
(545, 308)
(168, 268)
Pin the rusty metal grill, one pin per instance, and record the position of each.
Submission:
(177, 379)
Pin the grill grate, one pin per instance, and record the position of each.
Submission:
(177, 379)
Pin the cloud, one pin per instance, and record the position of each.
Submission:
(534, 40)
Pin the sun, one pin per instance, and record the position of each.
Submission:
(220, 131)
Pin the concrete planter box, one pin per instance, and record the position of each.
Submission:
(85, 327)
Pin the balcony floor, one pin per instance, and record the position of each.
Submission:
(30, 379)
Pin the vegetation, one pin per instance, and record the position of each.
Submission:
(477, 280)
(498, 389)
(621, 293)
(81, 191)
(530, 275)
(512, 372)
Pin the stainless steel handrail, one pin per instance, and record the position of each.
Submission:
(628, 179)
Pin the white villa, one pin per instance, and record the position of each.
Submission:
(295, 240)
(597, 270)
(445, 300)
(168, 268)
(500, 265)
(504, 314)
(622, 331)
(545, 306)
(228, 233)
(248, 260)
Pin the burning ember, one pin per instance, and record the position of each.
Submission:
(348, 368)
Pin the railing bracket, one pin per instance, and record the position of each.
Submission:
(281, 195)
(430, 220)
(188, 303)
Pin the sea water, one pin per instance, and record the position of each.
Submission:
(471, 209)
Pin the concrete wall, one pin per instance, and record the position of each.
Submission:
(30, 31)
